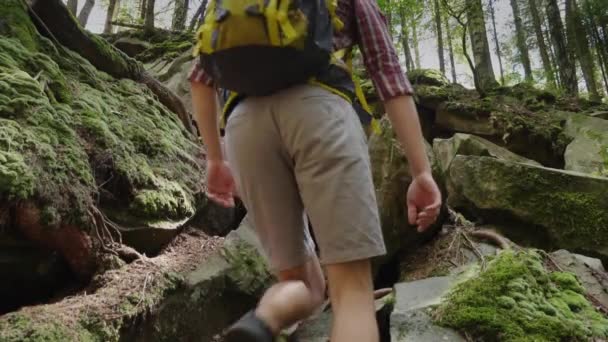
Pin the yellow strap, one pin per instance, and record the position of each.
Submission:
(316, 82)
(283, 17)
(332, 6)
(272, 22)
(231, 98)
(376, 129)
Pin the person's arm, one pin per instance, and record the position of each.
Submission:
(205, 113)
(220, 183)
(394, 89)
(402, 113)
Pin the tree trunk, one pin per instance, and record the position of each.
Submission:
(522, 45)
(450, 48)
(439, 32)
(110, 17)
(480, 46)
(180, 14)
(149, 23)
(85, 12)
(198, 16)
(73, 7)
(583, 52)
(542, 47)
(409, 64)
(495, 32)
(565, 66)
(142, 10)
(571, 40)
(416, 42)
(103, 55)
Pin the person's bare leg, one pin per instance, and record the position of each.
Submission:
(351, 293)
(299, 292)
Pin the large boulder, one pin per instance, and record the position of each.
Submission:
(392, 177)
(471, 145)
(545, 207)
(588, 151)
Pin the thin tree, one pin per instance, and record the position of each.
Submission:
(479, 44)
(197, 19)
(540, 41)
(415, 42)
(149, 23)
(179, 15)
(601, 50)
(409, 63)
(110, 16)
(459, 13)
(142, 10)
(448, 30)
(565, 66)
(439, 32)
(581, 43)
(85, 12)
(522, 45)
(496, 42)
(73, 6)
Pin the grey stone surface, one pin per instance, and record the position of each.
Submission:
(411, 321)
(589, 272)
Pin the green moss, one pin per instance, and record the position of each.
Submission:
(77, 137)
(20, 26)
(431, 77)
(516, 299)
(20, 328)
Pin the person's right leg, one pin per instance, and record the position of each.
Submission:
(352, 302)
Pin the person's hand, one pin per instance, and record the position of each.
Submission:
(220, 183)
(423, 201)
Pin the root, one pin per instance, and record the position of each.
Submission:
(493, 237)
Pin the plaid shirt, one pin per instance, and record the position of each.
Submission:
(364, 25)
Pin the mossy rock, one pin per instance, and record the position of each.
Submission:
(545, 207)
(516, 299)
(73, 138)
(588, 151)
(470, 145)
(430, 77)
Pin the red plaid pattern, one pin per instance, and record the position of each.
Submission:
(365, 25)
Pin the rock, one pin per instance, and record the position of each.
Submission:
(588, 151)
(176, 77)
(131, 46)
(214, 295)
(150, 238)
(414, 301)
(588, 271)
(470, 145)
(430, 77)
(29, 274)
(544, 207)
(466, 118)
(392, 178)
(600, 115)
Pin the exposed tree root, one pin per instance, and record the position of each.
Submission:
(491, 236)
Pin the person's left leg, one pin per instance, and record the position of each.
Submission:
(298, 293)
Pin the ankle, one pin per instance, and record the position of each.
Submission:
(271, 322)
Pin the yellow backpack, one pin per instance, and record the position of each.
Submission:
(257, 47)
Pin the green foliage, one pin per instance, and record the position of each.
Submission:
(517, 299)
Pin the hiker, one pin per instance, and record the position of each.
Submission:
(295, 149)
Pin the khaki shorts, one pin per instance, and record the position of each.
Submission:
(303, 153)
